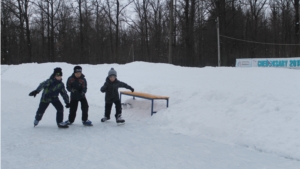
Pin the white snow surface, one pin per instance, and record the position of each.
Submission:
(218, 118)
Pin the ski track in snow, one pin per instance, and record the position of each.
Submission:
(142, 143)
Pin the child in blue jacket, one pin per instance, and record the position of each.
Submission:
(51, 88)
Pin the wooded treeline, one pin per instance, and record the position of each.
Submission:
(122, 31)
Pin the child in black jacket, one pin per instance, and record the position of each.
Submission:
(77, 85)
(110, 88)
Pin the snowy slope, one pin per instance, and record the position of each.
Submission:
(218, 118)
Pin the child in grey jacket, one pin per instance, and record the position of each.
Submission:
(110, 88)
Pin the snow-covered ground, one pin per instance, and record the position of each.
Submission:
(218, 118)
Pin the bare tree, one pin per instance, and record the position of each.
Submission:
(99, 31)
(20, 9)
(255, 11)
(25, 5)
(50, 8)
(171, 31)
(297, 21)
(66, 34)
(297, 25)
(142, 10)
(5, 26)
(188, 22)
(84, 20)
(100, 38)
(156, 30)
(114, 11)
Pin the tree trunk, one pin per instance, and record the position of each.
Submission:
(146, 29)
(297, 21)
(48, 32)
(171, 32)
(52, 33)
(117, 33)
(186, 32)
(191, 33)
(21, 35)
(4, 43)
(81, 53)
(27, 31)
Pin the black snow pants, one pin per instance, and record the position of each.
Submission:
(59, 110)
(84, 109)
(108, 107)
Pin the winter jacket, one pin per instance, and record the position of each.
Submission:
(52, 88)
(77, 87)
(111, 89)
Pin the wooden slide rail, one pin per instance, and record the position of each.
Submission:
(145, 96)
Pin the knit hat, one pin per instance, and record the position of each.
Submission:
(112, 72)
(57, 71)
(77, 69)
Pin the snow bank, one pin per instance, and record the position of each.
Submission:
(252, 107)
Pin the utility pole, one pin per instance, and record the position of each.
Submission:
(218, 36)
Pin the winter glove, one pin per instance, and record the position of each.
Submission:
(82, 94)
(67, 105)
(132, 89)
(73, 90)
(33, 93)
